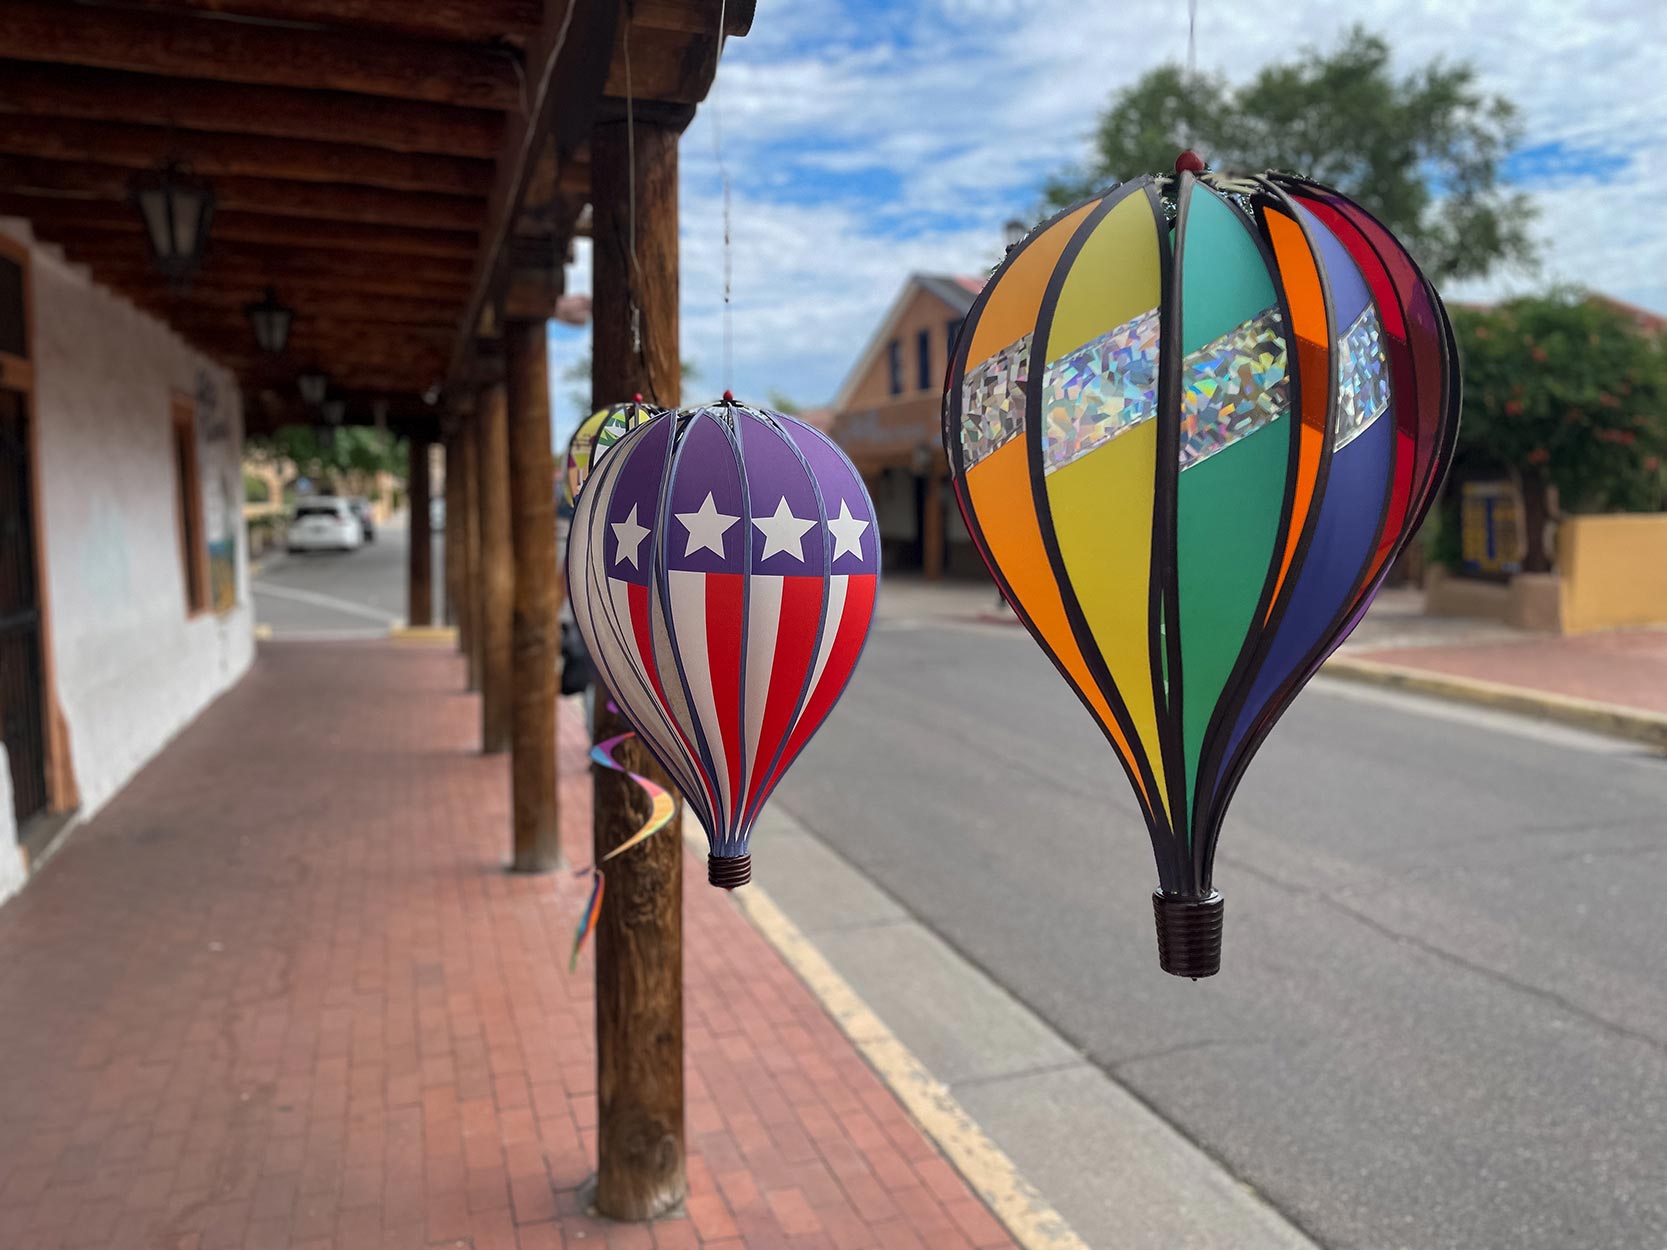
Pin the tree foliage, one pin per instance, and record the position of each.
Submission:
(1566, 391)
(1422, 151)
(328, 455)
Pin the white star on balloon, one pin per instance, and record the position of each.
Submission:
(629, 535)
(783, 532)
(847, 531)
(706, 526)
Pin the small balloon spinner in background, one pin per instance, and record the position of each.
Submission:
(1191, 422)
(596, 433)
(723, 564)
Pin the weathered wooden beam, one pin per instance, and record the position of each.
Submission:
(281, 112)
(565, 67)
(473, 21)
(639, 934)
(497, 557)
(454, 571)
(536, 630)
(364, 311)
(419, 608)
(62, 216)
(532, 293)
(671, 67)
(272, 196)
(694, 16)
(246, 52)
(469, 437)
(261, 263)
(214, 155)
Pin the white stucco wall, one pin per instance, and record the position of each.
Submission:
(132, 667)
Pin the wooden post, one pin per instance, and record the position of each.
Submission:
(639, 935)
(497, 569)
(469, 444)
(535, 630)
(420, 559)
(452, 552)
(931, 525)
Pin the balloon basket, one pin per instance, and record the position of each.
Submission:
(728, 871)
(1189, 934)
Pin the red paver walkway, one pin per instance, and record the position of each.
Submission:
(281, 993)
(1627, 668)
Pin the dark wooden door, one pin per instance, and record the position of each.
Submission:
(22, 719)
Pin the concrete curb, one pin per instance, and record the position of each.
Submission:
(1034, 1224)
(1635, 724)
(423, 633)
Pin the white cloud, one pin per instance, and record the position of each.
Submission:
(865, 140)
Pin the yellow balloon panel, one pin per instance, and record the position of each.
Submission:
(1114, 278)
(999, 488)
(1102, 521)
(1010, 311)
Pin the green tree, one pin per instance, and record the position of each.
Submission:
(347, 454)
(1422, 151)
(1564, 391)
(781, 401)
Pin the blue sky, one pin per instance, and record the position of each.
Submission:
(867, 138)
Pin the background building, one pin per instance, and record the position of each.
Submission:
(888, 418)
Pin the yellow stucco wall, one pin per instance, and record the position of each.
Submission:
(1614, 571)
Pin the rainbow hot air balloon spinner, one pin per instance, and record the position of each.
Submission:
(1190, 423)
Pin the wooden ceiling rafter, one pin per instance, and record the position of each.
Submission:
(75, 91)
(113, 37)
(402, 173)
(211, 154)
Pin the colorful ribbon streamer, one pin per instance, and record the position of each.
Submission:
(661, 807)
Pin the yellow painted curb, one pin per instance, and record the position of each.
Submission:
(1636, 724)
(423, 633)
(1034, 1224)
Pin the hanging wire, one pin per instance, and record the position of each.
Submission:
(1187, 136)
(633, 282)
(723, 178)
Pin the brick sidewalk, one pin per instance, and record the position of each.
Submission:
(1626, 668)
(281, 993)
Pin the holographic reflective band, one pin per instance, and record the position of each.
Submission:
(993, 402)
(1363, 389)
(661, 806)
(1231, 387)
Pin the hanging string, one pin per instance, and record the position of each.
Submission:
(1187, 135)
(633, 282)
(723, 179)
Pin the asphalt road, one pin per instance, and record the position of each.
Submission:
(344, 594)
(1441, 1019)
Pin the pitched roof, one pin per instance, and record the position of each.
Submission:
(955, 290)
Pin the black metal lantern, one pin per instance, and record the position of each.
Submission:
(313, 386)
(270, 318)
(177, 208)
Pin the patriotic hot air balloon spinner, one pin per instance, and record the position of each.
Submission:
(723, 564)
(1190, 423)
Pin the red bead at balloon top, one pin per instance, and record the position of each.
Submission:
(1189, 162)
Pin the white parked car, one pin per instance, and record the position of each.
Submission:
(324, 523)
